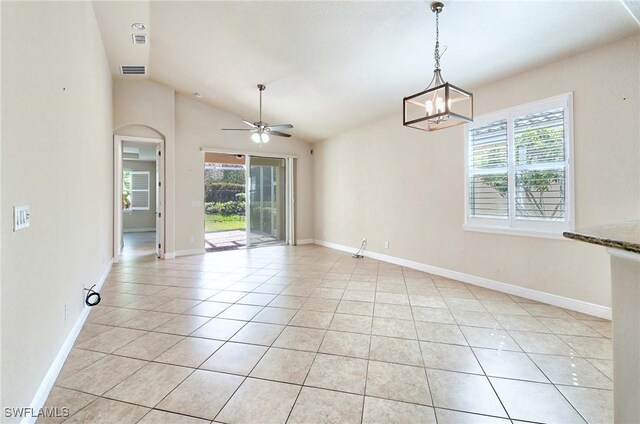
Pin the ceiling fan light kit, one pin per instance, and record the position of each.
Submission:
(441, 105)
(260, 137)
(261, 131)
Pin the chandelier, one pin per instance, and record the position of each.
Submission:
(441, 105)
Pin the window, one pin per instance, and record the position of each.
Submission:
(519, 169)
(135, 190)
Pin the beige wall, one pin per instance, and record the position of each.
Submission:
(56, 108)
(143, 108)
(198, 125)
(141, 219)
(188, 125)
(1, 214)
(391, 183)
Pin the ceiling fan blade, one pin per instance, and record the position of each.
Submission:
(251, 124)
(279, 134)
(238, 129)
(280, 127)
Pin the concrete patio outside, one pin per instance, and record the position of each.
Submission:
(234, 239)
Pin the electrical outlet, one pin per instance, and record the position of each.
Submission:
(386, 244)
(364, 239)
(192, 239)
(66, 311)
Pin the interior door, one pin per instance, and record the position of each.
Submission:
(266, 201)
(159, 201)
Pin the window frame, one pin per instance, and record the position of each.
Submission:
(512, 225)
(131, 190)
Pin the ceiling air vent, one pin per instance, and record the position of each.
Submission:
(140, 39)
(133, 70)
(130, 155)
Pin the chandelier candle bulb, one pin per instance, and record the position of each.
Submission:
(441, 104)
(429, 107)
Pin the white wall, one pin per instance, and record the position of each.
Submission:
(189, 124)
(141, 219)
(391, 183)
(56, 108)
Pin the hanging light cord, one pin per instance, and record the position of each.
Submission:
(358, 254)
(93, 297)
(261, 105)
(437, 50)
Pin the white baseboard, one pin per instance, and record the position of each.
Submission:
(139, 230)
(305, 241)
(189, 252)
(552, 299)
(52, 374)
(169, 255)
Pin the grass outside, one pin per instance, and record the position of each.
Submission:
(217, 222)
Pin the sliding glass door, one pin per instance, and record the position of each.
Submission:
(266, 201)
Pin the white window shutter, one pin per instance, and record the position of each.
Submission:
(540, 168)
(140, 181)
(519, 170)
(488, 188)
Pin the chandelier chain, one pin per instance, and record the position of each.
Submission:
(437, 50)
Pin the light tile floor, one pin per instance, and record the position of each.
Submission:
(310, 335)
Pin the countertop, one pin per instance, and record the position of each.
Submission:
(624, 236)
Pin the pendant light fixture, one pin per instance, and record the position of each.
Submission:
(441, 105)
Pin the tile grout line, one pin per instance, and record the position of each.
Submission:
(545, 374)
(292, 384)
(312, 362)
(248, 374)
(486, 376)
(424, 367)
(294, 280)
(366, 376)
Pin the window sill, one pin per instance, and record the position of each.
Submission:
(516, 232)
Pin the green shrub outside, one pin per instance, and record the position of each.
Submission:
(232, 207)
(222, 192)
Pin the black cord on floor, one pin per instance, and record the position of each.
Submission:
(93, 297)
(358, 254)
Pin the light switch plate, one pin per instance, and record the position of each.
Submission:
(196, 203)
(21, 217)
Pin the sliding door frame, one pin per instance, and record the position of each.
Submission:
(290, 237)
(247, 200)
(290, 200)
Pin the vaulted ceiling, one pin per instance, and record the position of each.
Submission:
(330, 66)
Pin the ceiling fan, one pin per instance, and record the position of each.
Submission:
(261, 130)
